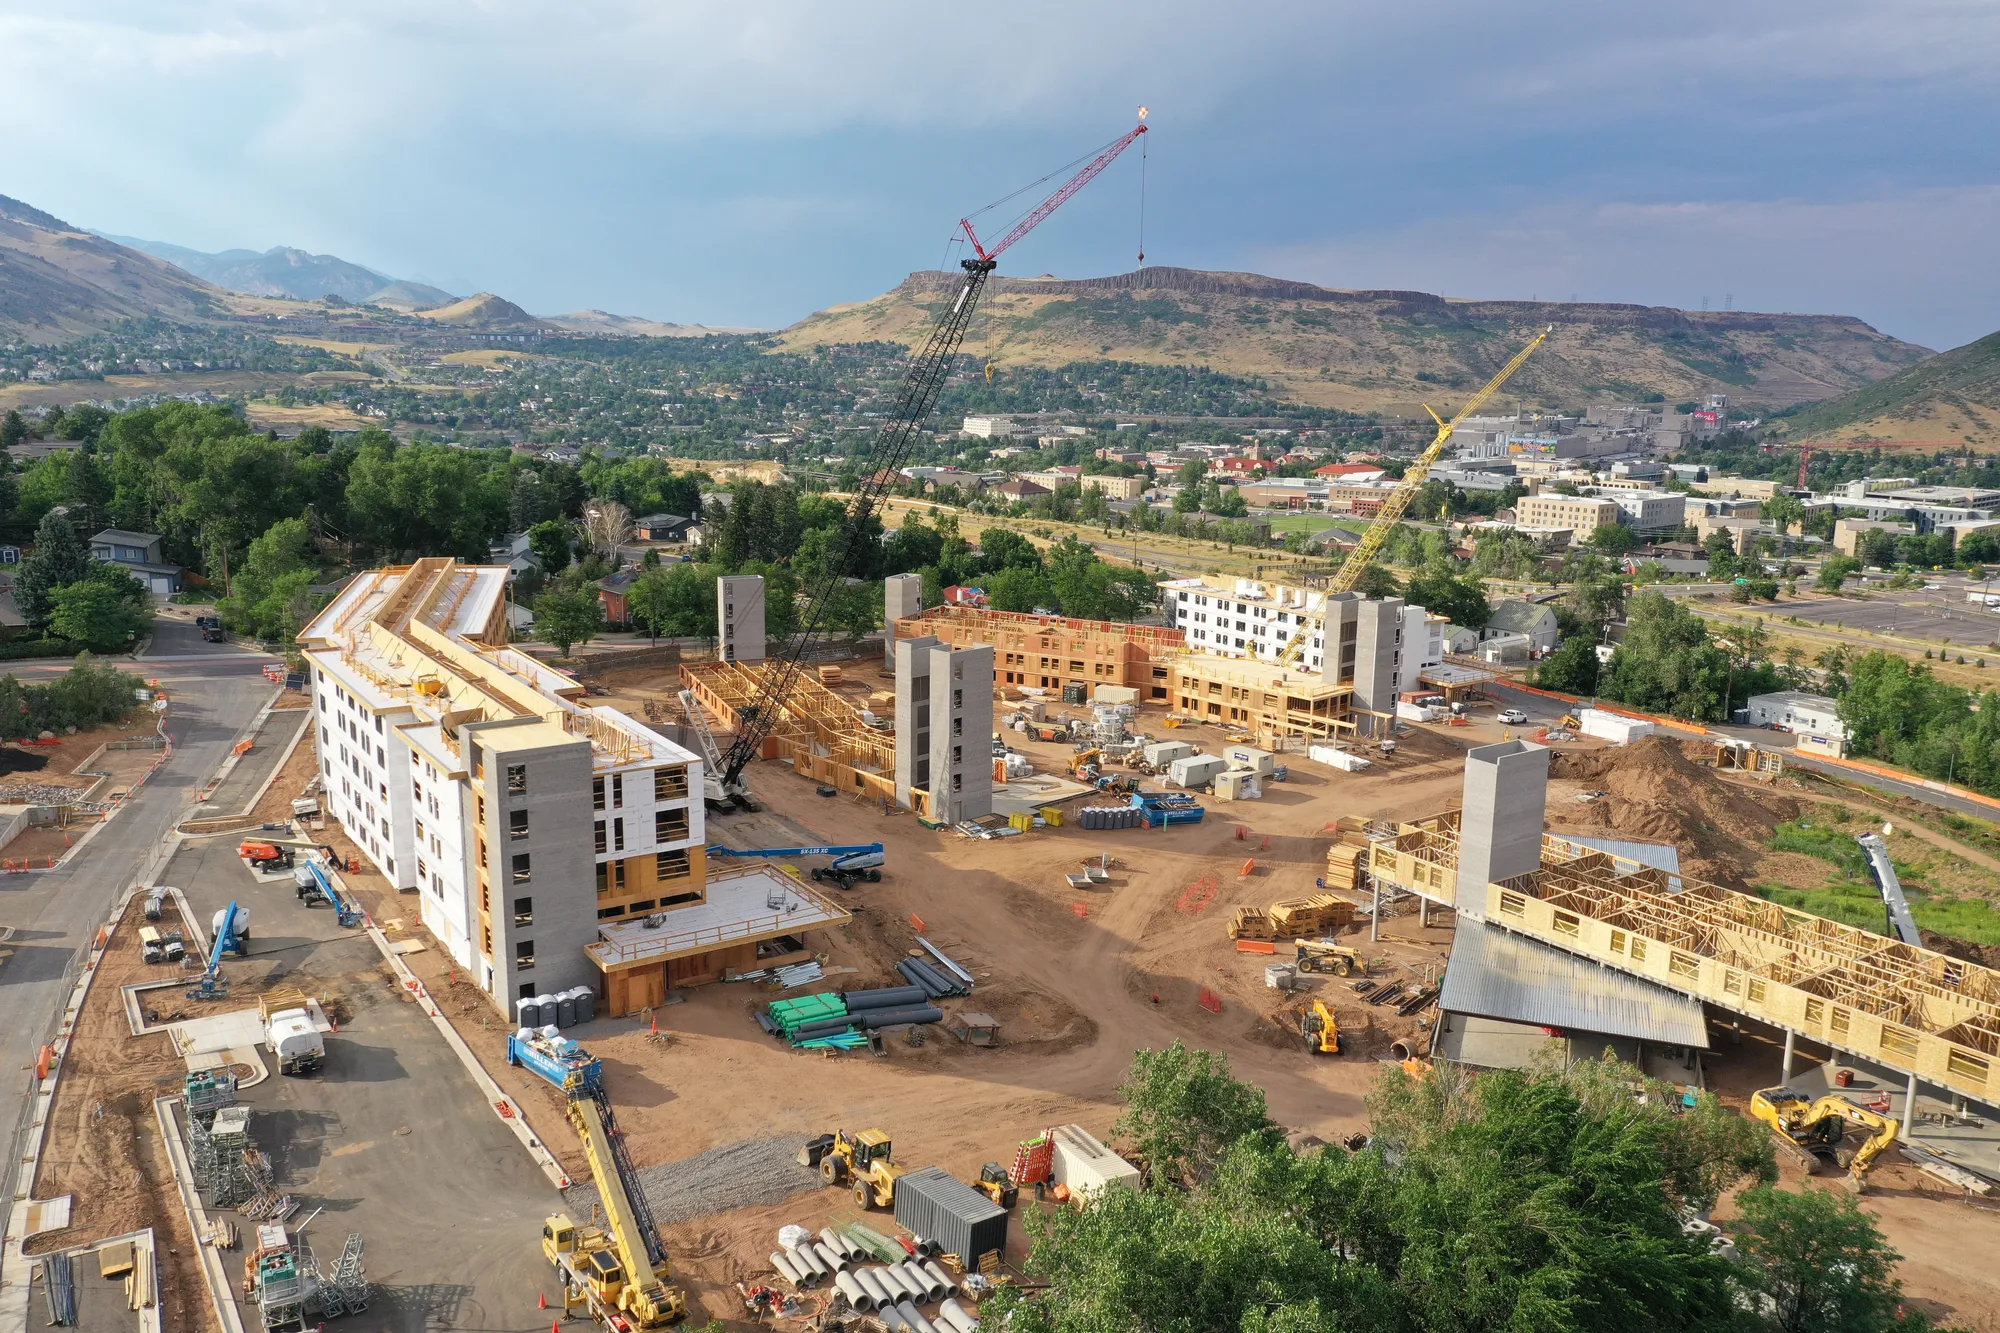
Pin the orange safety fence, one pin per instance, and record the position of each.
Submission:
(1250, 867)
(1255, 946)
(1197, 895)
(917, 923)
(1210, 1001)
(242, 746)
(1082, 910)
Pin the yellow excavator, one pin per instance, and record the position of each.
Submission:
(1813, 1130)
(863, 1159)
(612, 1272)
(1320, 1029)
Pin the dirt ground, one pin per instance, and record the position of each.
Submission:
(103, 1142)
(1081, 980)
(53, 764)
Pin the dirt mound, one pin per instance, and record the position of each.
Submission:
(1986, 955)
(1653, 791)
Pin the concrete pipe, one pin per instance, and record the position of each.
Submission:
(925, 1248)
(835, 1261)
(786, 1269)
(935, 1288)
(890, 1319)
(913, 1271)
(851, 1289)
(809, 1263)
(893, 1283)
(836, 1242)
(912, 1320)
(942, 1283)
(909, 1283)
(887, 997)
(870, 1281)
(960, 1318)
(1402, 1049)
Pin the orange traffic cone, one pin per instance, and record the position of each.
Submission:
(543, 1299)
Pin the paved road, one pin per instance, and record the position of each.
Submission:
(56, 912)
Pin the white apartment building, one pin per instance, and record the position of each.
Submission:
(989, 428)
(531, 824)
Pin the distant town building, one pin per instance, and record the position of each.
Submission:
(989, 428)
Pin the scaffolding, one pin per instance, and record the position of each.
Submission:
(1919, 1012)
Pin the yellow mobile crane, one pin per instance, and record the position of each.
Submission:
(1813, 1130)
(1391, 513)
(619, 1275)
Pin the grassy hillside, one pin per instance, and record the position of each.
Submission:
(1952, 398)
(58, 281)
(482, 311)
(1385, 350)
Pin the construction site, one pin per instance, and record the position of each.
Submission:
(496, 1006)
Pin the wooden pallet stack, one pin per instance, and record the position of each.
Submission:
(1252, 923)
(1347, 859)
(1304, 918)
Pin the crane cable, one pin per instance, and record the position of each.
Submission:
(1142, 202)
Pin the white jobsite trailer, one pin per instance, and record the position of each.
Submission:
(1251, 759)
(1614, 727)
(1197, 770)
(1085, 1165)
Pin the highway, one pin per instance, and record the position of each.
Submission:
(215, 691)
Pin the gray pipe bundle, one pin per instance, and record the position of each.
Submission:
(886, 997)
(951, 1312)
(786, 1269)
(871, 1282)
(839, 1244)
(888, 1018)
(935, 1287)
(835, 1260)
(809, 1263)
(943, 1284)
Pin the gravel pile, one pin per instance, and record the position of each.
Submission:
(38, 794)
(735, 1175)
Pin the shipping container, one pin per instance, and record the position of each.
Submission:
(1082, 1162)
(1196, 770)
(1251, 759)
(951, 1215)
(1115, 694)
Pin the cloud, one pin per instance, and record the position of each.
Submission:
(1918, 265)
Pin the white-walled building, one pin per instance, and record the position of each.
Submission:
(527, 821)
(1805, 715)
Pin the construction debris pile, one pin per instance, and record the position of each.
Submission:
(894, 1291)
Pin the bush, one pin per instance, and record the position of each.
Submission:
(88, 695)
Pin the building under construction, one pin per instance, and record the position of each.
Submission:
(1049, 652)
(551, 843)
(1267, 699)
(1932, 1018)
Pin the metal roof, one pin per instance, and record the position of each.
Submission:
(1496, 974)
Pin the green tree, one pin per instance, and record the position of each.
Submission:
(652, 601)
(1723, 562)
(1835, 572)
(1004, 548)
(268, 595)
(1443, 590)
(13, 428)
(97, 615)
(1820, 1261)
(549, 541)
(1229, 503)
(59, 559)
(1570, 669)
(1613, 539)
(567, 615)
(1667, 663)
(424, 499)
(1019, 589)
(1183, 1111)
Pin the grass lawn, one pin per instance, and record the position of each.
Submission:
(1934, 882)
(1313, 523)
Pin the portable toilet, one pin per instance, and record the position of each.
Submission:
(548, 1006)
(1251, 759)
(566, 1009)
(586, 1004)
(528, 1012)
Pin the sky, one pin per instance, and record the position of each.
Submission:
(748, 163)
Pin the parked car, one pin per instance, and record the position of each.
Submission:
(1513, 717)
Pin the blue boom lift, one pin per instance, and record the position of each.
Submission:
(210, 985)
(851, 863)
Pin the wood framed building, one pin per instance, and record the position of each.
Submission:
(1049, 652)
(1268, 699)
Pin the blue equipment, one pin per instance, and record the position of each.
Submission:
(851, 863)
(315, 884)
(559, 1060)
(211, 985)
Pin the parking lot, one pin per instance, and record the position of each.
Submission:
(1939, 613)
(391, 1139)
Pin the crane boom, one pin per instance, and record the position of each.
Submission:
(925, 381)
(631, 1227)
(1391, 512)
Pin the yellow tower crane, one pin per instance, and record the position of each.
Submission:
(1391, 513)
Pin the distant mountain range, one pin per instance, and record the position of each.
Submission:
(284, 271)
(1385, 350)
(58, 281)
(1951, 398)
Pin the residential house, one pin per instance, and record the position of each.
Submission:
(1531, 620)
(513, 552)
(1020, 488)
(666, 528)
(138, 552)
(614, 596)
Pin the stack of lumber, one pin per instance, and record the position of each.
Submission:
(1252, 923)
(1345, 864)
(1302, 918)
(829, 675)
